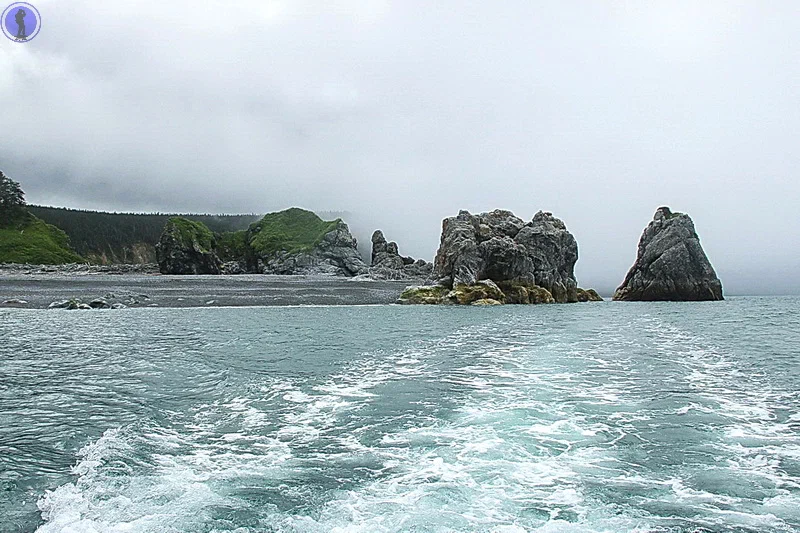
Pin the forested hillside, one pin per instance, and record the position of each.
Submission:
(106, 238)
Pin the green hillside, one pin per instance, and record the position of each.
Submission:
(106, 238)
(30, 240)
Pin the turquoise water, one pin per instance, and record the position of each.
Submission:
(667, 417)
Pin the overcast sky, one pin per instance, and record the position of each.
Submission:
(404, 112)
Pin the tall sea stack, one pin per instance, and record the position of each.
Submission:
(670, 264)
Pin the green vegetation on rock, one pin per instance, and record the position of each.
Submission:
(30, 240)
(188, 232)
(588, 295)
(482, 290)
(233, 246)
(525, 293)
(486, 301)
(23, 237)
(105, 238)
(293, 230)
(433, 294)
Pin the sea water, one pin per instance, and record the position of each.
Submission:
(597, 417)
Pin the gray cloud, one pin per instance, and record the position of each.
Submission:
(405, 112)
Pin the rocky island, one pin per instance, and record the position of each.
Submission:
(670, 263)
(289, 242)
(495, 258)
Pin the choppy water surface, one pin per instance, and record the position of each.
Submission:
(573, 418)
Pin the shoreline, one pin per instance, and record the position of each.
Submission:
(42, 289)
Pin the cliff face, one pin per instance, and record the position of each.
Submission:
(501, 247)
(670, 264)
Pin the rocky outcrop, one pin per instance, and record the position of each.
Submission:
(588, 295)
(496, 258)
(670, 264)
(335, 254)
(502, 247)
(187, 247)
(387, 263)
(424, 294)
(484, 292)
(294, 241)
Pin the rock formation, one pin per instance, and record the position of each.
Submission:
(297, 241)
(336, 254)
(497, 257)
(387, 263)
(670, 264)
(588, 295)
(294, 241)
(187, 247)
(502, 247)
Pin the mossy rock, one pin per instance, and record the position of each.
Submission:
(427, 294)
(518, 292)
(588, 295)
(486, 301)
(485, 292)
(482, 290)
(191, 235)
(540, 295)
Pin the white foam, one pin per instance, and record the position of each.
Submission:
(529, 434)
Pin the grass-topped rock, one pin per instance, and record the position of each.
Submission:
(187, 247)
(293, 230)
(296, 241)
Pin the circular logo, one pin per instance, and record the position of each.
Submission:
(21, 22)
